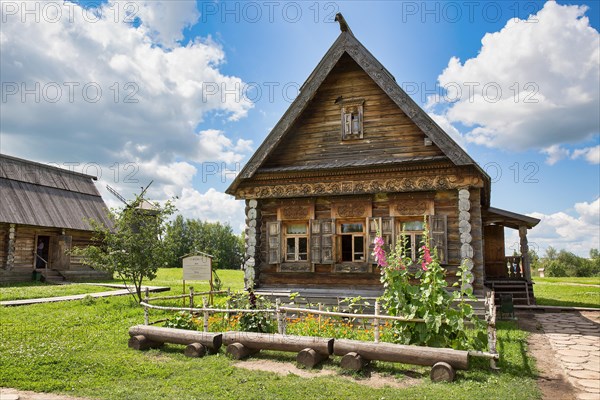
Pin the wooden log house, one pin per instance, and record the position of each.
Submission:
(44, 212)
(354, 153)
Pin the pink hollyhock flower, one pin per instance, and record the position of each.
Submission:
(426, 258)
(379, 252)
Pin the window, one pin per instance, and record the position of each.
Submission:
(352, 119)
(352, 242)
(296, 241)
(411, 234)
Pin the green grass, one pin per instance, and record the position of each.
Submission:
(560, 294)
(587, 281)
(173, 277)
(36, 290)
(80, 348)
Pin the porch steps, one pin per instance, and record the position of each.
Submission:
(52, 276)
(86, 275)
(519, 289)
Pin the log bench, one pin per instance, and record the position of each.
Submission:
(143, 337)
(356, 354)
(311, 350)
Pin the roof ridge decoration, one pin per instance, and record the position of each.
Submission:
(347, 43)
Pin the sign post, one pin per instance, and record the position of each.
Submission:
(198, 267)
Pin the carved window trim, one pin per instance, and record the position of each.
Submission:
(297, 238)
(354, 236)
(438, 234)
(352, 119)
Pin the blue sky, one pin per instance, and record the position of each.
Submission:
(186, 134)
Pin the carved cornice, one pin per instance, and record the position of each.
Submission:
(370, 186)
(430, 167)
(414, 207)
(352, 209)
(294, 212)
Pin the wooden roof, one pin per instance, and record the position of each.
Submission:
(346, 43)
(510, 219)
(37, 194)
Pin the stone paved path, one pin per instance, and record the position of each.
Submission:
(576, 342)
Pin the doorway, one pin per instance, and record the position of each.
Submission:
(42, 247)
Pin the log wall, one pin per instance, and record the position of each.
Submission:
(444, 203)
(3, 244)
(25, 245)
(316, 137)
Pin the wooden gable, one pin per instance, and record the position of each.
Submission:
(316, 137)
(397, 125)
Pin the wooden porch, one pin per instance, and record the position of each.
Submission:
(507, 274)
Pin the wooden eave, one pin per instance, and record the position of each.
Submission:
(347, 43)
(497, 216)
(288, 173)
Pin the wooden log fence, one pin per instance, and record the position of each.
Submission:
(313, 350)
(143, 337)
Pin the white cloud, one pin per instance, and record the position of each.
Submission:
(212, 206)
(534, 84)
(98, 86)
(589, 212)
(214, 145)
(125, 96)
(447, 126)
(590, 154)
(577, 234)
(555, 154)
(164, 20)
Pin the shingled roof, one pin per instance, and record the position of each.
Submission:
(42, 195)
(346, 43)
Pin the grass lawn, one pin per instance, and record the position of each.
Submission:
(586, 281)
(80, 348)
(36, 290)
(558, 292)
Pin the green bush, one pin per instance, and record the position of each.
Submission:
(182, 320)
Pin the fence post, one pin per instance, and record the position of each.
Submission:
(191, 298)
(205, 314)
(320, 309)
(227, 306)
(279, 319)
(146, 300)
(376, 322)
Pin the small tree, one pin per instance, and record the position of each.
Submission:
(133, 248)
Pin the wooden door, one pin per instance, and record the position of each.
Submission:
(58, 251)
(494, 259)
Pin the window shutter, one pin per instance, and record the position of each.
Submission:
(439, 236)
(388, 232)
(315, 241)
(274, 241)
(327, 241)
(372, 225)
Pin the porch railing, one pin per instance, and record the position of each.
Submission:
(514, 266)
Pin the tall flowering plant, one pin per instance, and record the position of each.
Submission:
(417, 289)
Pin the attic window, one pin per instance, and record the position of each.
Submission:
(352, 119)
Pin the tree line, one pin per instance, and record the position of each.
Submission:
(563, 263)
(187, 236)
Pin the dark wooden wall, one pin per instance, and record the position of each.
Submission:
(25, 245)
(316, 136)
(3, 244)
(495, 263)
(445, 203)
